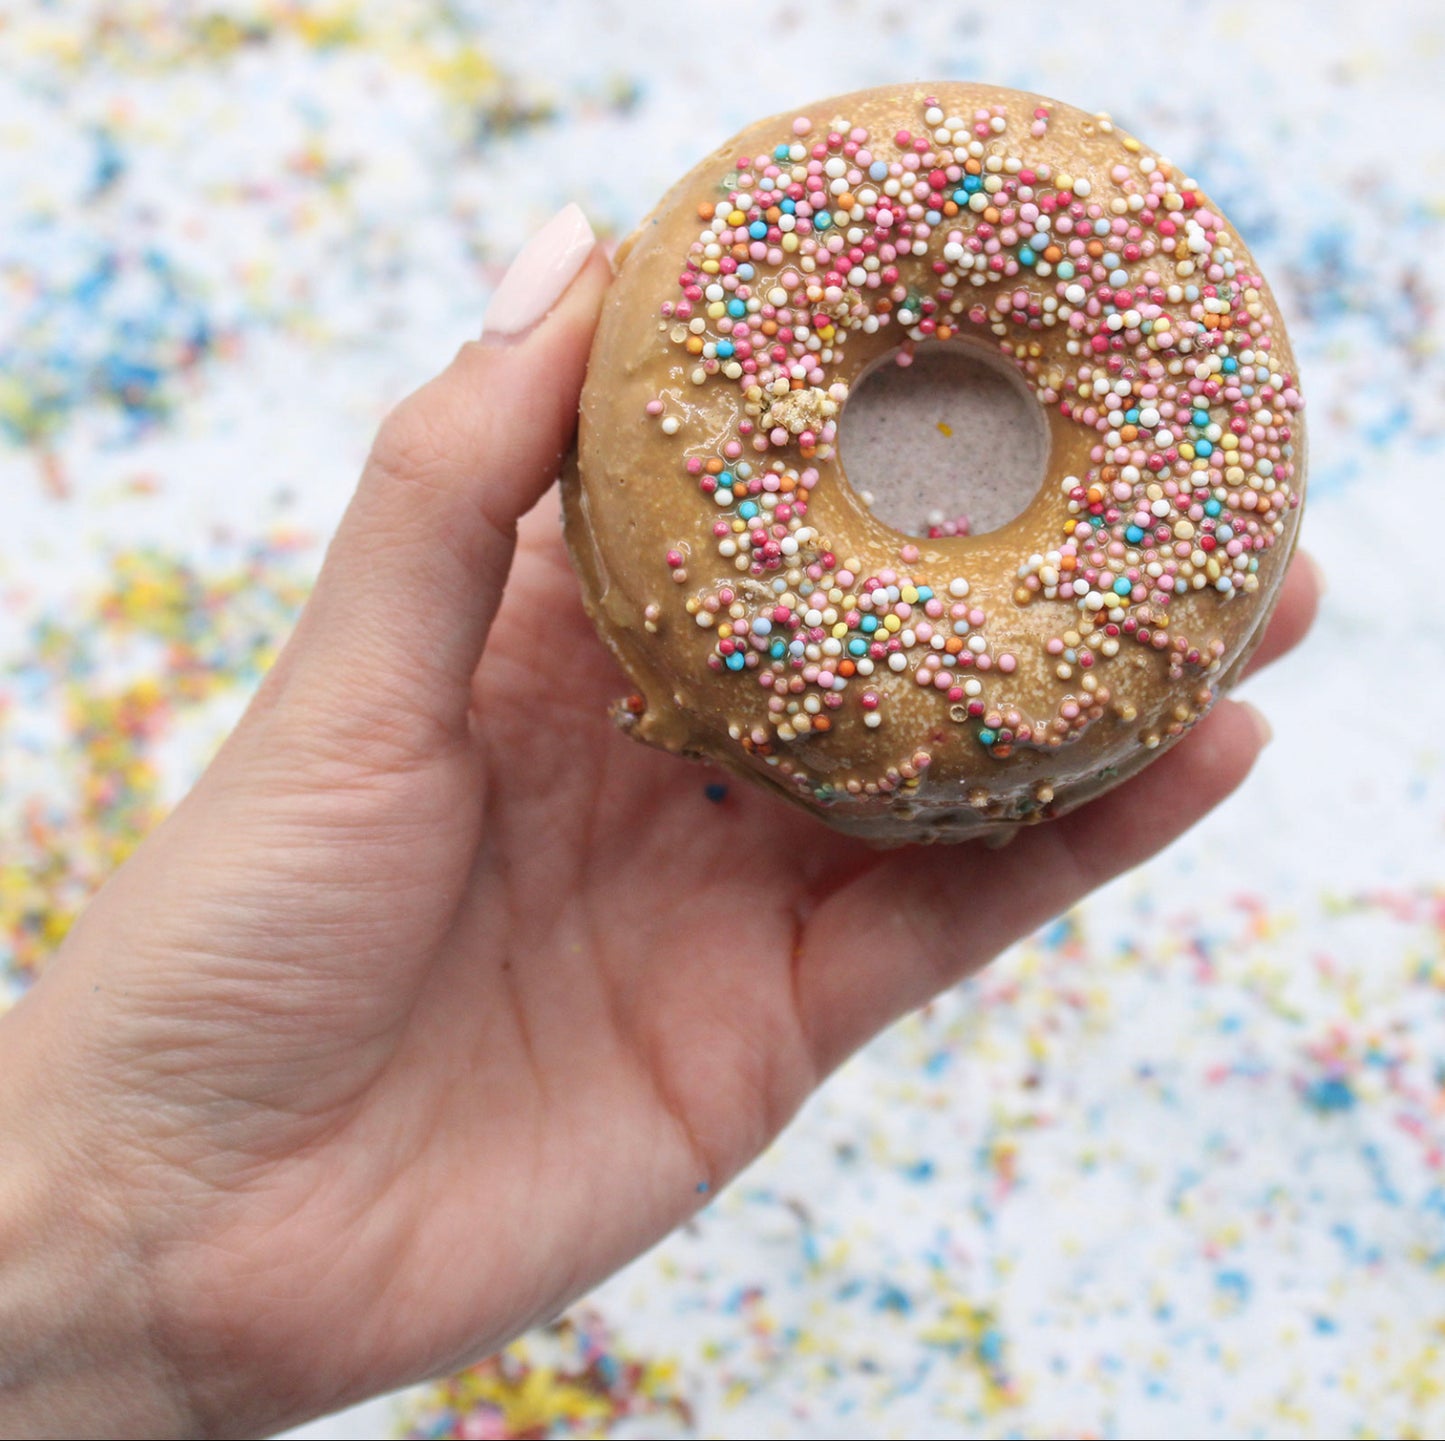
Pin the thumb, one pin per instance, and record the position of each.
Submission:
(396, 624)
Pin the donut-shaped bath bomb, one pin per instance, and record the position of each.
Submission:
(908, 687)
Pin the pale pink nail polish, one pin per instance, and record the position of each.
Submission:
(539, 276)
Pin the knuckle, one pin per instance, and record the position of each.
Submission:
(411, 444)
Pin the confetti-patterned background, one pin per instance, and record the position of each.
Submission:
(1176, 1166)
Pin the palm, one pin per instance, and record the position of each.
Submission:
(634, 993)
(539, 1001)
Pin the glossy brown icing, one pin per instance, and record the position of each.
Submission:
(1014, 700)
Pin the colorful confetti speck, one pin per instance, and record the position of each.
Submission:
(569, 1379)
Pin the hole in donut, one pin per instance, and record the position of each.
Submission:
(951, 443)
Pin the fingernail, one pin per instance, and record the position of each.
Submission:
(1263, 731)
(540, 275)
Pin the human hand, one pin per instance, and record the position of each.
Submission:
(436, 1000)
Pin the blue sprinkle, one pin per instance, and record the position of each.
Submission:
(1235, 1284)
(736, 661)
(987, 737)
(780, 152)
(1212, 507)
(737, 308)
(1133, 535)
(758, 230)
(725, 349)
(1204, 447)
(1231, 365)
(868, 624)
(748, 509)
(1122, 585)
(857, 646)
(822, 220)
(1026, 255)
(1200, 418)
(1332, 1093)
(892, 1298)
(716, 792)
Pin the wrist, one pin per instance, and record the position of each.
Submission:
(77, 1334)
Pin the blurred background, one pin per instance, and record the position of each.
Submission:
(1173, 1167)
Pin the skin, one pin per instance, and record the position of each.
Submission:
(437, 1000)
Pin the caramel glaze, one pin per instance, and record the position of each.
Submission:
(629, 501)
